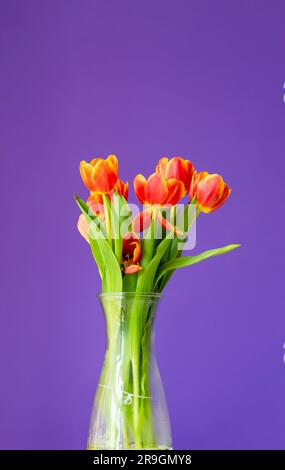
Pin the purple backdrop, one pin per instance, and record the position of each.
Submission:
(142, 79)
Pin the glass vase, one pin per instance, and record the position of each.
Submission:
(130, 410)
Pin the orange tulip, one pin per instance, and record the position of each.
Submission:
(158, 190)
(131, 253)
(211, 191)
(177, 168)
(122, 188)
(100, 175)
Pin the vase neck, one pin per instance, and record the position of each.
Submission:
(129, 318)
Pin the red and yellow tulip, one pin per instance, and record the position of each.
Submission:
(100, 176)
(97, 198)
(176, 168)
(131, 253)
(122, 188)
(210, 189)
(158, 190)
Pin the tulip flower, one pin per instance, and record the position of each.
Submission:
(176, 168)
(122, 188)
(158, 190)
(100, 175)
(131, 253)
(210, 189)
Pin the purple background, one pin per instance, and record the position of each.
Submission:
(202, 79)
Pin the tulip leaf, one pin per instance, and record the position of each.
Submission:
(173, 254)
(107, 214)
(146, 278)
(108, 265)
(93, 245)
(184, 261)
(184, 222)
(147, 244)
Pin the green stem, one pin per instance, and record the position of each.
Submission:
(148, 244)
(124, 392)
(107, 213)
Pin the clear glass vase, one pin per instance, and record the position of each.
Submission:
(130, 410)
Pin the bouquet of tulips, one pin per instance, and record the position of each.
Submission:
(137, 251)
(140, 253)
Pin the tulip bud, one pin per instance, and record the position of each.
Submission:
(210, 189)
(100, 175)
(122, 188)
(131, 253)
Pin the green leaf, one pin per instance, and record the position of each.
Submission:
(184, 261)
(146, 278)
(186, 218)
(108, 265)
(173, 253)
(184, 222)
(107, 212)
(148, 244)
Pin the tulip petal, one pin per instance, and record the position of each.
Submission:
(122, 188)
(226, 193)
(156, 189)
(95, 160)
(175, 191)
(85, 172)
(167, 225)
(82, 226)
(104, 177)
(113, 161)
(195, 180)
(210, 191)
(142, 221)
(137, 253)
(180, 169)
(125, 192)
(161, 166)
(133, 268)
(139, 187)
